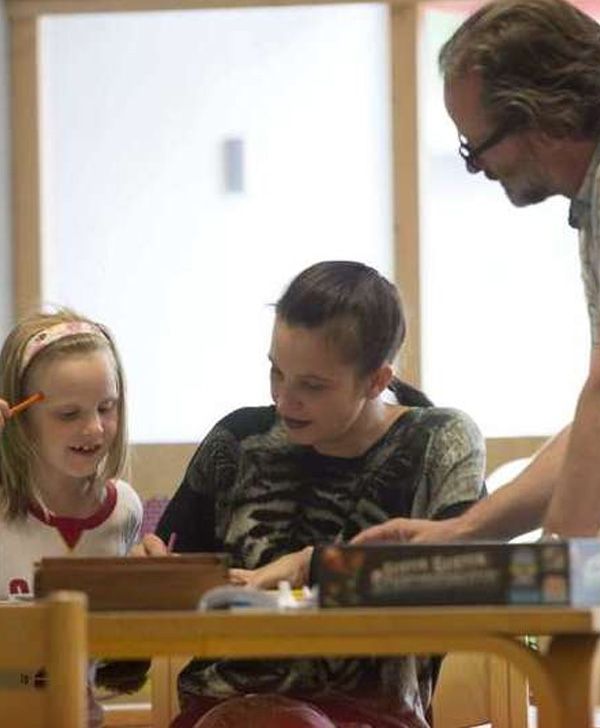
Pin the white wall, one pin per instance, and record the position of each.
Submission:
(139, 231)
(5, 247)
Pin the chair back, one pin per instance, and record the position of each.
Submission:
(43, 662)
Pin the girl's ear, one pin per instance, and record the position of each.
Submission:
(378, 380)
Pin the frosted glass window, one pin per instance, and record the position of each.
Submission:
(504, 322)
(192, 163)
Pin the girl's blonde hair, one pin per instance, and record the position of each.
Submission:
(17, 451)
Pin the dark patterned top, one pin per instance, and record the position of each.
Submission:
(250, 492)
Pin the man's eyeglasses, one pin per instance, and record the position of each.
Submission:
(470, 154)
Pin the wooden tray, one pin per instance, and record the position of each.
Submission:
(163, 582)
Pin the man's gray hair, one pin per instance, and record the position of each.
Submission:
(539, 62)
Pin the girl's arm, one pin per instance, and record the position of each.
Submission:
(188, 520)
(188, 524)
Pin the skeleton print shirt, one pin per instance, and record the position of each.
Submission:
(249, 492)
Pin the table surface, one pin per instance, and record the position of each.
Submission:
(563, 678)
(160, 632)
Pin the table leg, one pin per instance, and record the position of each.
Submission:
(572, 662)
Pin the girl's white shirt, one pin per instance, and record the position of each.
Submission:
(111, 531)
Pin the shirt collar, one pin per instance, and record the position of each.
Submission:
(579, 209)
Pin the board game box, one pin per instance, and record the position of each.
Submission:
(545, 572)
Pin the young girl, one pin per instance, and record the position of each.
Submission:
(60, 459)
(345, 446)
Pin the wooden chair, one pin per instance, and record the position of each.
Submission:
(49, 635)
(476, 689)
(164, 673)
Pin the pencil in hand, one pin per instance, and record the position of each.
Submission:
(171, 542)
(37, 397)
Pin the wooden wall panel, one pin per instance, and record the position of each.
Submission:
(403, 50)
(25, 165)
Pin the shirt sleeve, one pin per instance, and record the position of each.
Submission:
(134, 513)
(455, 466)
(589, 255)
(190, 513)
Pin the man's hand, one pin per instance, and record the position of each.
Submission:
(293, 568)
(150, 545)
(413, 530)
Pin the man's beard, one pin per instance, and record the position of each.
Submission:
(528, 194)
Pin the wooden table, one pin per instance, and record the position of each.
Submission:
(563, 679)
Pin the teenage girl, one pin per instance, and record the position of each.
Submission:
(345, 446)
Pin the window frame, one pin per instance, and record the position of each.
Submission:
(23, 17)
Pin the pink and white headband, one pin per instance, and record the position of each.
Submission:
(54, 333)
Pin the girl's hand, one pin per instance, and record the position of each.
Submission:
(150, 545)
(293, 568)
